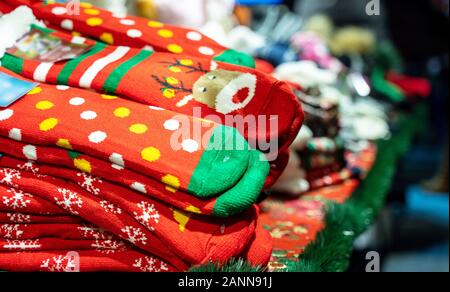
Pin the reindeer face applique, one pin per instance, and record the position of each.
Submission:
(222, 90)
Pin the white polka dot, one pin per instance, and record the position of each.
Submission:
(62, 87)
(190, 145)
(194, 36)
(148, 48)
(127, 22)
(78, 40)
(155, 108)
(206, 51)
(139, 187)
(15, 134)
(59, 10)
(88, 115)
(172, 125)
(29, 152)
(6, 114)
(117, 167)
(117, 159)
(67, 24)
(76, 101)
(119, 15)
(97, 137)
(134, 33)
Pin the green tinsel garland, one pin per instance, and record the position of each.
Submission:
(331, 250)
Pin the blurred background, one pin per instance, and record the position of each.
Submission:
(386, 58)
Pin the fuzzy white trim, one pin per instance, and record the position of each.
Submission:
(15, 25)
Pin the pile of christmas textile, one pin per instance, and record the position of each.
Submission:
(116, 157)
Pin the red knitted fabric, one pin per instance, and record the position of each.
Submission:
(220, 92)
(127, 30)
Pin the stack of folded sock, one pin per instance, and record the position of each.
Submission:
(115, 179)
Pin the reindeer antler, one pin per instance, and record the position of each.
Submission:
(166, 84)
(177, 63)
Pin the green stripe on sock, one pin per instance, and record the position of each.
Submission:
(13, 63)
(114, 79)
(43, 29)
(66, 72)
(73, 154)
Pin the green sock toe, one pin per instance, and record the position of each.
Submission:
(247, 191)
(236, 58)
(222, 165)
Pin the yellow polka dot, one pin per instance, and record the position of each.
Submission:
(83, 165)
(94, 21)
(48, 124)
(44, 105)
(165, 33)
(139, 129)
(76, 33)
(176, 49)
(175, 69)
(172, 183)
(108, 38)
(193, 209)
(155, 24)
(85, 5)
(64, 143)
(109, 97)
(35, 90)
(151, 154)
(172, 80)
(169, 93)
(91, 11)
(50, 2)
(186, 62)
(122, 112)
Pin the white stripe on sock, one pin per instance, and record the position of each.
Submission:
(41, 72)
(100, 64)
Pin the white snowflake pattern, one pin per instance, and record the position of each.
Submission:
(147, 215)
(11, 231)
(29, 167)
(88, 183)
(108, 246)
(150, 264)
(69, 201)
(134, 235)
(7, 175)
(19, 218)
(104, 242)
(18, 200)
(22, 244)
(110, 207)
(90, 231)
(60, 264)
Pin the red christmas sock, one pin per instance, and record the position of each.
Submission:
(13, 217)
(412, 86)
(77, 202)
(197, 87)
(82, 261)
(138, 138)
(151, 221)
(137, 32)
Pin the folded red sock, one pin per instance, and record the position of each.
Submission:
(131, 138)
(240, 97)
(81, 261)
(137, 32)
